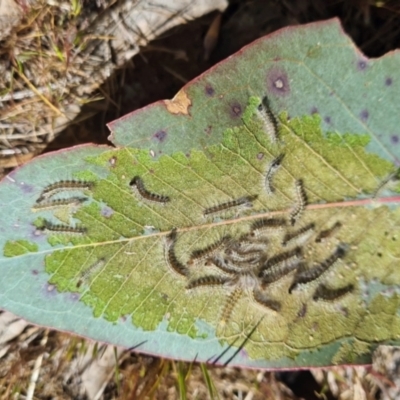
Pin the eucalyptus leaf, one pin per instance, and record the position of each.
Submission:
(253, 220)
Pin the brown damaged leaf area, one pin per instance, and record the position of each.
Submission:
(179, 104)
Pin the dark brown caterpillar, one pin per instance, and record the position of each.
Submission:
(209, 251)
(328, 232)
(269, 120)
(62, 186)
(209, 280)
(301, 203)
(224, 265)
(241, 201)
(266, 224)
(138, 184)
(48, 226)
(298, 235)
(308, 275)
(329, 294)
(272, 168)
(248, 244)
(275, 273)
(280, 260)
(260, 298)
(172, 259)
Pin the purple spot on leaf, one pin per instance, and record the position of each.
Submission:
(364, 114)
(260, 156)
(388, 81)
(361, 65)
(314, 110)
(235, 109)
(210, 90)
(160, 136)
(107, 212)
(278, 82)
(35, 272)
(187, 155)
(328, 120)
(26, 188)
(395, 139)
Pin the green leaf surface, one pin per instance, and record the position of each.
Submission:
(209, 233)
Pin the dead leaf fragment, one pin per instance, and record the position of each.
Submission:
(179, 104)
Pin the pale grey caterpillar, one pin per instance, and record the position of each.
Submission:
(58, 203)
(62, 186)
(95, 267)
(272, 168)
(268, 119)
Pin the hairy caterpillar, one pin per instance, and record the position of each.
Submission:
(138, 184)
(304, 276)
(268, 119)
(90, 271)
(299, 235)
(260, 298)
(172, 259)
(241, 201)
(329, 294)
(209, 280)
(62, 186)
(48, 205)
(209, 251)
(266, 224)
(281, 259)
(272, 168)
(328, 232)
(301, 202)
(48, 226)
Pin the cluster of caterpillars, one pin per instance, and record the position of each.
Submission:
(248, 264)
(48, 201)
(241, 264)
